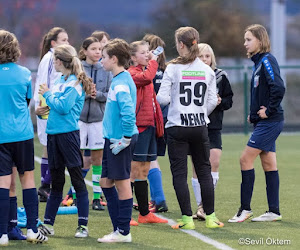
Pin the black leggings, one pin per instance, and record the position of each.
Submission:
(181, 141)
(58, 179)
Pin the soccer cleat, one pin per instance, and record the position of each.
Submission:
(37, 237)
(212, 221)
(135, 206)
(186, 222)
(4, 240)
(67, 201)
(151, 204)
(102, 202)
(200, 214)
(74, 202)
(44, 193)
(82, 232)
(46, 229)
(133, 222)
(97, 205)
(241, 216)
(16, 234)
(161, 208)
(267, 216)
(151, 218)
(115, 237)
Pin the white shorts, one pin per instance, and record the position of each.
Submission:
(41, 130)
(91, 135)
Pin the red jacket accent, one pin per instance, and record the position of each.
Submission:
(145, 98)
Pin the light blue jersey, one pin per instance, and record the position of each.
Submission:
(65, 101)
(119, 117)
(15, 88)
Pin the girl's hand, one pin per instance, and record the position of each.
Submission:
(93, 91)
(152, 56)
(262, 112)
(43, 89)
(219, 99)
(42, 110)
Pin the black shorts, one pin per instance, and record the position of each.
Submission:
(64, 150)
(215, 138)
(117, 167)
(19, 154)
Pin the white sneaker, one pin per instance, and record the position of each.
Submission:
(4, 240)
(36, 237)
(241, 216)
(268, 216)
(200, 213)
(115, 236)
(46, 229)
(82, 232)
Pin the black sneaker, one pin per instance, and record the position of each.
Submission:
(44, 193)
(97, 205)
(159, 208)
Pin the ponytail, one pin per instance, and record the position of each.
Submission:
(190, 38)
(68, 56)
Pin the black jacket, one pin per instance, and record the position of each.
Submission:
(225, 92)
(267, 88)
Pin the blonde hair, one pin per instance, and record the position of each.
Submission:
(120, 49)
(134, 47)
(50, 36)
(204, 46)
(261, 34)
(189, 36)
(9, 47)
(155, 41)
(68, 56)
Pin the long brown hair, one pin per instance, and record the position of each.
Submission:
(189, 36)
(261, 34)
(9, 47)
(85, 44)
(68, 56)
(155, 41)
(50, 36)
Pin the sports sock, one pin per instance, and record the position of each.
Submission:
(31, 205)
(73, 192)
(47, 176)
(112, 199)
(215, 176)
(272, 186)
(197, 190)
(248, 177)
(155, 183)
(141, 193)
(52, 207)
(12, 218)
(124, 217)
(4, 210)
(83, 208)
(97, 171)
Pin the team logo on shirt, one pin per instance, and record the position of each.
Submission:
(5, 68)
(193, 75)
(256, 81)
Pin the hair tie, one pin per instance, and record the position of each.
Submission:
(194, 42)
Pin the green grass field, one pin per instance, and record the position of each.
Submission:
(226, 205)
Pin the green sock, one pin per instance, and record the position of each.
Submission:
(96, 176)
(73, 193)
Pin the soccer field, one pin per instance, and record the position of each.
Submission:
(284, 234)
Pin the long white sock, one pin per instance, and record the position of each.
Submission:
(197, 190)
(215, 176)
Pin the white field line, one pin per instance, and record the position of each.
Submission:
(193, 233)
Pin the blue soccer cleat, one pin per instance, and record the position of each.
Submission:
(16, 234)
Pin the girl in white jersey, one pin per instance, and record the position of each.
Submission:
(46, 74)
(189, 85)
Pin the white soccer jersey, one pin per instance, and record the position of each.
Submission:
(191, 91)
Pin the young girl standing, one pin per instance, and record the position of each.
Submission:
(63, 143)
(16, 138)
(90, 121)
(189, 86)
(46, 74)
(266, 114)
(120, 133)
(143, 71)
(158, 200)
(224, 94)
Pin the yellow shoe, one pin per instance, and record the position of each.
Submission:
(213, 222)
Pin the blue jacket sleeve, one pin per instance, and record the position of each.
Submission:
(275, 83)
(64, 103)
(127, 109)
